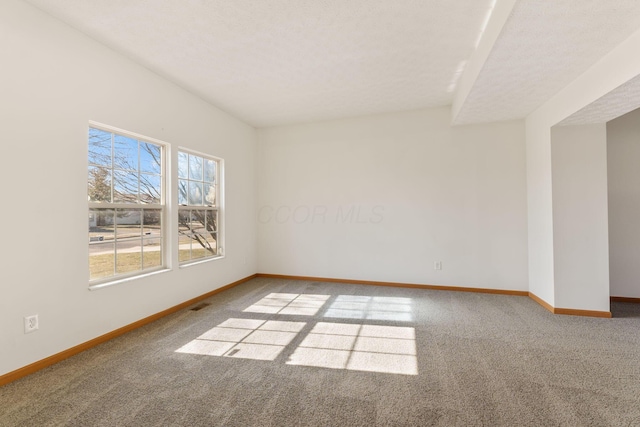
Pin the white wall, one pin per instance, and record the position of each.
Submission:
(418, 190)
(54, 80)
(580, 224)
(623, 150)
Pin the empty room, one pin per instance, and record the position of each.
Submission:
(320, 212)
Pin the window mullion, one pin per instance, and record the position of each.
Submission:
(101, 205)
(115, 241)
(139, 175)
(111, 171)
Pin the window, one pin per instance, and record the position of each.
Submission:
(199, 210)
(126, 204)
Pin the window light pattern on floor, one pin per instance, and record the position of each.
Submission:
(293, 304)
(388, 349)
(245, 338)
(371, 308)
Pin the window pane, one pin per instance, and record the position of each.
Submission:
(125, 153)
(152, 223)
(125, 186)
(184, 221)
(150, 188)
(195, 167)
(198, 251)
(198, 242)
(198, 221)
(183, 165)
(150, 158)
(99, 183)
(151, 253)
(212, 221)
(99, 147)
(101, 260)
(212, 243)
(209, 194)
(209, 170)
(129, 224)
(101, 225)
(195, 193)
(128, 256)
(184, 248)
(183, 190)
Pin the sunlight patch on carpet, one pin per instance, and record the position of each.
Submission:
(371, 308)
(292, 304)
(372, 348)
(245, 339)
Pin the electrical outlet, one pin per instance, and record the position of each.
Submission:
(437, 265)
(31, 323)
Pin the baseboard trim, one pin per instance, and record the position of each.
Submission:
(586, 313)
(542, 302)
(569, 311)
(65, 354)
(626, 299)
(396, 284)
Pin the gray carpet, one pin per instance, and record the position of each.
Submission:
(479, 360)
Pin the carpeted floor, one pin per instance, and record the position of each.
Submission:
(295, 353)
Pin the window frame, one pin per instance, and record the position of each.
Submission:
(218, 207)
(164, 237)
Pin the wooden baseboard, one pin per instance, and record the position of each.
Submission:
(396, 285)
(542, 302)
(569, 311)
(587, 313)
(51, 360)
(626, 299)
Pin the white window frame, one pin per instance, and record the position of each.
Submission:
(162, 206)
(218, 207)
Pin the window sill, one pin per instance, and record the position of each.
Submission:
(200, 261)
(99, 285)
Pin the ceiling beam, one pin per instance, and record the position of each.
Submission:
(496, 22)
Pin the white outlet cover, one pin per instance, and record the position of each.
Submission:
(31, 323)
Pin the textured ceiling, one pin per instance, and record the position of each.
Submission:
(275, 62)
(285, 61)
(544, 46)
(616, 103)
